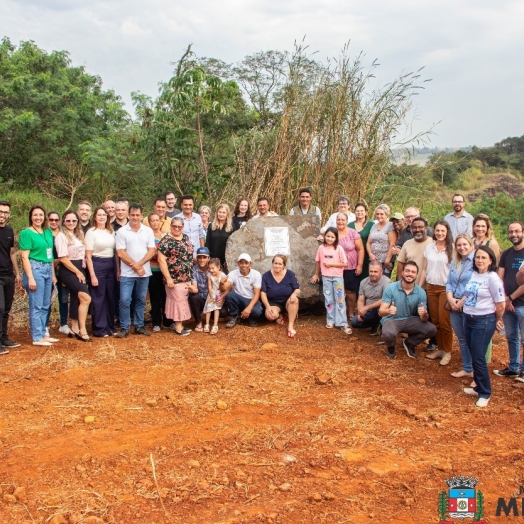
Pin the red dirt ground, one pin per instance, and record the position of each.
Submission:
(246, 427)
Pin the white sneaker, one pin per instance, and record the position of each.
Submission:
(46, 332)
(156, 329)
(482, 402)
(65, 329)
(51, 339)
(42, 342)
(471, 391)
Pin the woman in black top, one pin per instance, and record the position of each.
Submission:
(241, 214)
(218, 233)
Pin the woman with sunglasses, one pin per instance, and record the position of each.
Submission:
(175, 258)
(71, 252)
(36, 250)
(483, 307)
(53, 218)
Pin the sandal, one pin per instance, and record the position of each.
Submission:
(206, 328)
(214, 331)
(291, 333)
(84, 338)
(347, 330)
(199, 329)
(329, 326)
(280, 320)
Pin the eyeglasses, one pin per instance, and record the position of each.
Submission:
(457, 201)
(177, 227)
(5, 212)
(71, 221)
(51, 219)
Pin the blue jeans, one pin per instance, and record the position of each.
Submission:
(479, 330)
(335, 301)
(40, 298)
(514, 326)
(370, 319)
(237, 303)
(457, 323)
(136, 288)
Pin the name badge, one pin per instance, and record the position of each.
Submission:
(49, 253)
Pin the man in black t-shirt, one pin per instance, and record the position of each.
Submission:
(513, 318)
(9, 274)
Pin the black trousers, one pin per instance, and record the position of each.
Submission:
(103, 297)
(7, 292)
(74, 285)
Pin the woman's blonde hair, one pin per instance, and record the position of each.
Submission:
(229, 221)
(456, 256)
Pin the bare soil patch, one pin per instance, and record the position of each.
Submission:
(245, 427)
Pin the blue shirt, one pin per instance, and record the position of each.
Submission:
(455, 284)
(407, 305)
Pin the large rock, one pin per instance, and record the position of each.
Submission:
(303, 245)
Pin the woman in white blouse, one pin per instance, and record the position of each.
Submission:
(100, 258)
(70, 249)
(435, 271)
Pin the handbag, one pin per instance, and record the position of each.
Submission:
(447, 307)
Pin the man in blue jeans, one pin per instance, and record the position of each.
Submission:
(510, 263)
(241, 292)
(135, 247)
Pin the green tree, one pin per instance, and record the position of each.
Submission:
(48, 110)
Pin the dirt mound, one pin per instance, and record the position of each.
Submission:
(500, 183)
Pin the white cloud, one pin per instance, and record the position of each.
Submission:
(471, 49)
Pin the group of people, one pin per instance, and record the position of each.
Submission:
(449, 279)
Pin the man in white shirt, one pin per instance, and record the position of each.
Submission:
(241, 292)
(193, 227)
(135, 246)
(263, 208)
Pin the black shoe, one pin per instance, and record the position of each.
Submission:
(410, 350)
(520, 378)
(375, 331)
(232, 321)
(506, 373)
(252, 323)
(3, 350)
(391, 353)
(10, 344)
(431, 347)
(183, 333)
(122, 334)
(142, 331)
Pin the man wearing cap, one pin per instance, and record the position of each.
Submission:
(305, 207)
(241, 292)
(399, 223)
(410, 214)
(198, 291)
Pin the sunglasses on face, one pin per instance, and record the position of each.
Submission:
(54, 219)
(70, 221)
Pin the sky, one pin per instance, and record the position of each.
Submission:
(470, 49)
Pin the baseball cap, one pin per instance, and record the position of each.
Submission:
(244, 256)
(203, 251)
(396, 216)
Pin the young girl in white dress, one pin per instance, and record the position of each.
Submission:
(214, 296)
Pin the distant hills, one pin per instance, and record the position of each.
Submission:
(420, 155)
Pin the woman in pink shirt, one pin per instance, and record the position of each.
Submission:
(330, 262)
